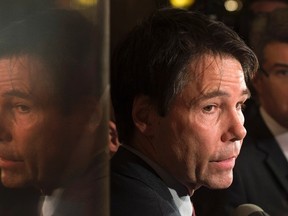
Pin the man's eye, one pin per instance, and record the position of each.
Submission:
(209, 108)
(23, 108)
(283, 72)
(240, 106)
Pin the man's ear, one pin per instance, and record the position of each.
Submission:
(94, 111)
(113, 141)
(143, 114)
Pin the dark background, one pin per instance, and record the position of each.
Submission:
(126, 13)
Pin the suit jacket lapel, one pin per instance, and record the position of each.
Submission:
(276, 161)
(266, 142)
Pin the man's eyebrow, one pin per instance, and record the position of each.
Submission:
(213, 94)
(279, 65)
(219, 93)
(17, 93)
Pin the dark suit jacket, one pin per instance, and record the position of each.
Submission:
(136, 189)
(260, 174)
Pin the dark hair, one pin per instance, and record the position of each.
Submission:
(268, 28)
(64, 42)
(153, 59)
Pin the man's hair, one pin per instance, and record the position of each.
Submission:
(64, 42)
(268, 28)
(154, 59)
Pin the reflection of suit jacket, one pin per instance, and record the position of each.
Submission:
(88, 194)
(261, 172)
(260, 175)
(136, 189)
(19, 202)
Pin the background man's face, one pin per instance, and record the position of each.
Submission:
(273, 89)
(39, 144)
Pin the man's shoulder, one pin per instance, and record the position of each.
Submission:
(136, 189)
(129, 169)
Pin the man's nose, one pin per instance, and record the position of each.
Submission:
(235, 130)
(5, 134)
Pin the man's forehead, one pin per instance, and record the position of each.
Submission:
(24, 74)
(209, 74)
(27, 66)
(206, 67)
(203, 64)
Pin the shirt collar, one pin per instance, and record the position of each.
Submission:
(280, 133)
(50, 202)
(273, 126)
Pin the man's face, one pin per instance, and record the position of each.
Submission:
(39, 144)
(272, 90)
(201, 136)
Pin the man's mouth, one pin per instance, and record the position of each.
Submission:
(6, 162)
(227, 163)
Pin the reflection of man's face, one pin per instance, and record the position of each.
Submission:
(201, 135)
(38, 143)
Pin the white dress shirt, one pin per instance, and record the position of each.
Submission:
(50, 202)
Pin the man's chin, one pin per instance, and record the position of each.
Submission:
(220, 182)
(12, 180)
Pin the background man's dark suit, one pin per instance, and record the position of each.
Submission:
(260, 174)
(134, 182)
(261, 171)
